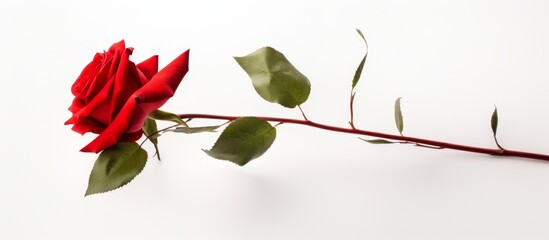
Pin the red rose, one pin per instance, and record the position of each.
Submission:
(113, 96)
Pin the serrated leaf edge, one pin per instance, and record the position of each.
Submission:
(122, 185)
(216, 142)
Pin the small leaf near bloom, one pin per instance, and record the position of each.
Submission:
(150, 130)
(116, 166)
(167, 116)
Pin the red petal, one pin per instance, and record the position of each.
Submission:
(112, 134)
(161, 87)
(77, 105)
(81, 83)
(98, 107)
(174, 72)
(126, 82)
(131, 137)
(88, 125)
(149, 67)
(98, 80)
(119, 46)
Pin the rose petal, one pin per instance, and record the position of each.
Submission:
(161, 87)
(173, 73)
(88, 125)
(99, 80)
(77, 105)
(131, 137)
(119, 46)
(98, 107)
(149, 67)
(112, 134)
(79, 86)
(126, 82)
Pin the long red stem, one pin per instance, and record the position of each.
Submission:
(499, 152)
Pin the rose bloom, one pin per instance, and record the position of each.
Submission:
(113, 96)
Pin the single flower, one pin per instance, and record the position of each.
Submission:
(113, 96)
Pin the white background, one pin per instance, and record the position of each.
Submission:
(450, 61)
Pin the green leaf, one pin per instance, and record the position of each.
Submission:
(116, 166)
(167, 116)
(243, 140)
(150, 128)
(274, 78)
(151, 131)
(398, 117)
(494, 123)
(196, 129)
(360, 67)
(377, 141)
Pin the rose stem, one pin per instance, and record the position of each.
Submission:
(498, 152)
